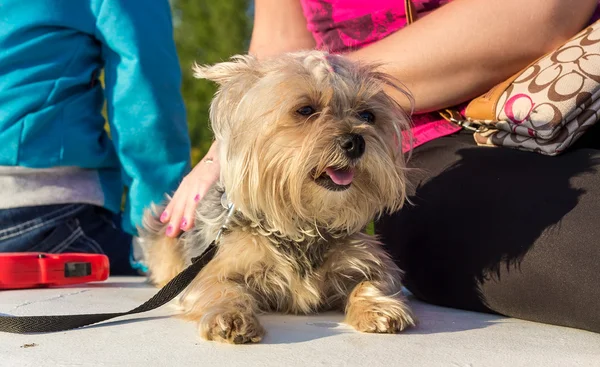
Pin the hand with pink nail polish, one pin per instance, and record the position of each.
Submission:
(179, 213)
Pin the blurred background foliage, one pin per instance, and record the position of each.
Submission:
(206, 32)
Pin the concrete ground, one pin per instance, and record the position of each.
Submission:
(445, 337)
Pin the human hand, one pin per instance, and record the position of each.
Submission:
(179, 213)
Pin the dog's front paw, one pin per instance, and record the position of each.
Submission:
(390, 316)
(370, 311)
(232, 327)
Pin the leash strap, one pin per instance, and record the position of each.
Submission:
(47, 324)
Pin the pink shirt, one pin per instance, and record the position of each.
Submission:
(344, 25)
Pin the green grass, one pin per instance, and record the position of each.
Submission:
(370, 228)
(206, 32)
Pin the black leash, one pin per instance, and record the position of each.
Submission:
(47, 324)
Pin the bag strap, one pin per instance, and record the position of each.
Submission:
(410, 11)
(45, 324)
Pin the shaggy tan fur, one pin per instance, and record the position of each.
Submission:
(293, 244)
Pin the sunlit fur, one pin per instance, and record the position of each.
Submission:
(292, 245)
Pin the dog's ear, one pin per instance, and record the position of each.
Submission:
(234, 78)
(224, 72)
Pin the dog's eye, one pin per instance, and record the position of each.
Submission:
(306, 110)
(367, 116)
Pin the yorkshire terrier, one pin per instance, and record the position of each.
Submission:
(310, 153)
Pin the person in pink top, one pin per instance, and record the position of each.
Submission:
(490, 229)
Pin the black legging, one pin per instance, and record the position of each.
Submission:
(503, 231)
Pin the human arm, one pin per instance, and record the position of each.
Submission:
(279, 26)
(464, 48)
(452, 54)
(144, 103)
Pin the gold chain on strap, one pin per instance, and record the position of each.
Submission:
(458, 119)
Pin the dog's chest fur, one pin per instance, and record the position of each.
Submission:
(306, 257)
(287, 275)
(290, 276)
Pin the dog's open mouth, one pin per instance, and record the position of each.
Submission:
(336, 179)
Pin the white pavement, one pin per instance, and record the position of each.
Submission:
(444, 337)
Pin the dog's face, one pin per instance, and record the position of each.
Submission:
(307, 140)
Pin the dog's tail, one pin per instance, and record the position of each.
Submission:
(163, 255)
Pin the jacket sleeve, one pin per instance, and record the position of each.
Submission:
(145, 107)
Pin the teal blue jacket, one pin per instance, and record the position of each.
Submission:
(52, 53)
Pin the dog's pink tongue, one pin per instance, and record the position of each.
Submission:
(340, 177)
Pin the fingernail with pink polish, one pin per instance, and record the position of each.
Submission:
(163, 216)
(183, 224)
(197, 198)
(169, 230)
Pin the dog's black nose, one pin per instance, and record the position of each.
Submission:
(353, 145)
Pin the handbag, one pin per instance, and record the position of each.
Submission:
(544, 108)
